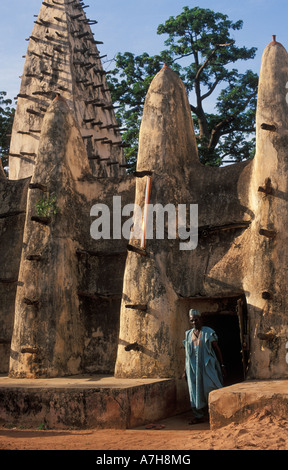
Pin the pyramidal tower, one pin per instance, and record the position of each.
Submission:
(60, 288)
(63, 59)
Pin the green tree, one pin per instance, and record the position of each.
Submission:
(6, 122)
(200, 47)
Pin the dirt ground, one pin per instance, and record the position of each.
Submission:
(262, 431)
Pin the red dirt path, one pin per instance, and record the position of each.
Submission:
(261, 431)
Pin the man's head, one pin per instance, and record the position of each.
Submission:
(195, 318)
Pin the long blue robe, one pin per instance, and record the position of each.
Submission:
(202, 367)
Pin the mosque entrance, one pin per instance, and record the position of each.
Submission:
(228, 317)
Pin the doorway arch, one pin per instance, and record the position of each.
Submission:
(228, 317)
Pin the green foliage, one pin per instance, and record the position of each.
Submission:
(6, 122)
(201, 40)
(46, 206)
(42, 427)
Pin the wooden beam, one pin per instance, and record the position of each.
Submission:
(136, 249)
(268, 233)
(132, 347)
(143, 308)
(268, 127)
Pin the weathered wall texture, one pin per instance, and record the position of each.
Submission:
(13, 197)
(85, 305)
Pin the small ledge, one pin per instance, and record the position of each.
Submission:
(41, 220)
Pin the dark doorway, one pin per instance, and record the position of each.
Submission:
(227, 330)
(230, 327)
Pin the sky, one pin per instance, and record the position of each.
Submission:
(130, 25)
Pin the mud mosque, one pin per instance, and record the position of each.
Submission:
(72, 305)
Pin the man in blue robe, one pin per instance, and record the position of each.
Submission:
(204, 367)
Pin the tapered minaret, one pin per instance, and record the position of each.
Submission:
(151, 326)
(63, 58)
(48, 334)
(266, 264)
(64, 137)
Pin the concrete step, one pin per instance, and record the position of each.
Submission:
(238, 402)
(89, 402)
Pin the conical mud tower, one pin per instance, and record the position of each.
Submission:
(151, 324)
(63, 58)
(48, 332)
(267, 256)
(60, 288)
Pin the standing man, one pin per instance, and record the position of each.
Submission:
(204, 367)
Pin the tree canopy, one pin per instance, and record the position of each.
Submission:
(200, 47)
